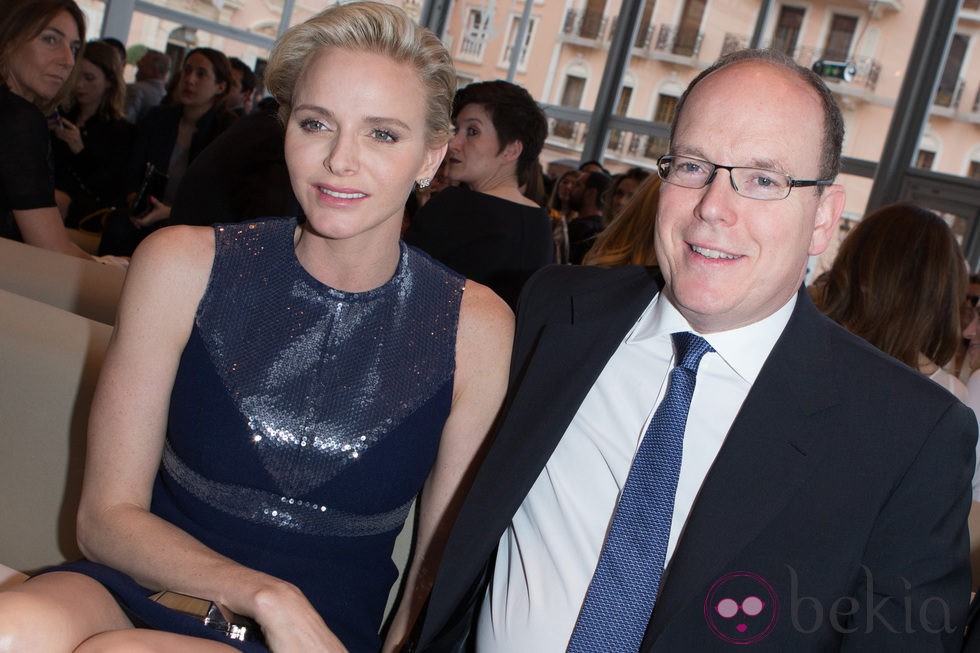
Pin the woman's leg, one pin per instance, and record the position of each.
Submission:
(56, 612)
(139, 640)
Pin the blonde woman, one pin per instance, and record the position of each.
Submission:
(276, 394)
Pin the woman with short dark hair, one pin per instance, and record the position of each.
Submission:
(486, 228)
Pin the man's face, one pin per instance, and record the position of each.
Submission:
(144, 68)
(729, 260)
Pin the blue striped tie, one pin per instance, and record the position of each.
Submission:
(623, 591)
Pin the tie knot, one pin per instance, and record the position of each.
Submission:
(690, 348)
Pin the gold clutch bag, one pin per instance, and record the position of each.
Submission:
(212, 615)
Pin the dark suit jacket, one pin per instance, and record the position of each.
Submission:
(844, 480)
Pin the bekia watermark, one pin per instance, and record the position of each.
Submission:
(742, 608)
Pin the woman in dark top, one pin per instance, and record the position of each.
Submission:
(169, 138)
(39, 40)
(489, 231)
(92, 140)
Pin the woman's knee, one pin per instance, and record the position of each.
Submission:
(56, 612)
(30, 622)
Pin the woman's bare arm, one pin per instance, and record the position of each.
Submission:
(127, 430)
(483, 346)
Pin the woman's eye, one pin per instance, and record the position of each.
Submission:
(311, 125)
(472, 131)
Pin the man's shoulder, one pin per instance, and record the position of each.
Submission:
(568, 285)
(587, 277)
(865, 374)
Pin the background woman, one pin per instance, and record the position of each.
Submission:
(92, 139)
(622, 189)
(169, 138)
(275, 394)
(628, 240)
(39, 40)
(899, 281)
(488, 230)
(560, 210)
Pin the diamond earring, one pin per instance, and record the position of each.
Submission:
(423, 183)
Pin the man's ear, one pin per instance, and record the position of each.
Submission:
(830, 206)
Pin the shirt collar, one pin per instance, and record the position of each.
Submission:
(744, 349)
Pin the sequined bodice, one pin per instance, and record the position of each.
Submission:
(303, 414)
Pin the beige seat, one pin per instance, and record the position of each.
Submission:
(49, 363)
(87, 288)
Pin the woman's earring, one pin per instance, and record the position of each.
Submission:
(423, 183)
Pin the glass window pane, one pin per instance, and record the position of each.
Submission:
(94, 11)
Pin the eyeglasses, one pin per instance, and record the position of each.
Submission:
(754, 183)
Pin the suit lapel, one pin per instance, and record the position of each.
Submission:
(570, 351)
(770, 449)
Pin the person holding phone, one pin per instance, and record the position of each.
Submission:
(167, 140)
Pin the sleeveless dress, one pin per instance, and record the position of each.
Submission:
(303, 422)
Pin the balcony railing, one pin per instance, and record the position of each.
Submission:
(949, 98)
(645, 37)
(733, 42)
(682, 42)
(589, 25)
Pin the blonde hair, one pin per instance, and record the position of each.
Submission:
(368, 27)
(628, 240)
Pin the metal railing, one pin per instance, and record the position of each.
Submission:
(949, 98)
(589, 25)
(682, 42)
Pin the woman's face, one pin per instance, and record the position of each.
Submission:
(198, 85)
(39, 68)
(356, 144)
(474, 155)
(623, 194)
(91, 85)
(565, 186)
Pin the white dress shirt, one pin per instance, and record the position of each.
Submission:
(548, 555)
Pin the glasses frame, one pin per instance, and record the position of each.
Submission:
(663, 171)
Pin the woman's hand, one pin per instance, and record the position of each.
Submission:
(157, 213)
(70, 134)
(290, 624)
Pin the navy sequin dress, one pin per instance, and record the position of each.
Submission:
(303, 422)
